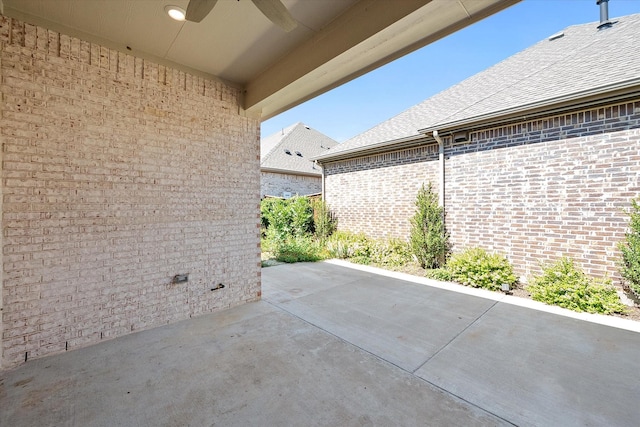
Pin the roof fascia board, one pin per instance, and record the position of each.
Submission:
(621, 90)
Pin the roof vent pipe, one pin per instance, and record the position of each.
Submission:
(604, 14)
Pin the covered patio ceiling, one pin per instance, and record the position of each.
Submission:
(335, 40)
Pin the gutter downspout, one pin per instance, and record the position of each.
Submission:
(322, 189)
(441, 164)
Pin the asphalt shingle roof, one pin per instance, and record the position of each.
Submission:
(301, 142)
(579, 59)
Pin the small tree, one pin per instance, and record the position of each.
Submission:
(300, 215)
(429, 238)
(291, 217)
(324, 222)
(630, 248)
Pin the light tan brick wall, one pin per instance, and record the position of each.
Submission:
(117, 174)
(274, 184)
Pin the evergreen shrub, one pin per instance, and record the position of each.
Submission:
(565, 285)
(480, 269)
(429, 240)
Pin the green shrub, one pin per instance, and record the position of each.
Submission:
(429, 239)
(273, 216)
(267, 207)
(565, 285)
(291, 217)
(360, 259)
(344, 244)
(266, 245)
(301, 215)
(630, 248)
(296, 249)
(390, 253)
(476, 267)
(324, 222)
(360, 249)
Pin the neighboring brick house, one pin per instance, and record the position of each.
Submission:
(286, 167)
(540, 154)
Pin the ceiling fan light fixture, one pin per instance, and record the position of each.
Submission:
(175, 12)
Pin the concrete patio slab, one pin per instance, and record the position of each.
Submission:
(332, 345)
(540, 369)
(528, 363)
(285, 283)
(381, 316)
(250, 365)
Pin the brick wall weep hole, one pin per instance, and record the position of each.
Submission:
(118, 174)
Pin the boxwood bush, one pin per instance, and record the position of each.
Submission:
(564, 284)
(480, 269)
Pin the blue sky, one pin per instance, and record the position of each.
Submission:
(381, 94)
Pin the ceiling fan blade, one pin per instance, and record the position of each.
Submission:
(198, 9)
(277, 13)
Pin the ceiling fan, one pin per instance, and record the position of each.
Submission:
(272, 9)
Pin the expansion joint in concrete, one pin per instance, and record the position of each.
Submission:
(412, 373)
(455, 337)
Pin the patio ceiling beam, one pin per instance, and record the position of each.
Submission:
(360, 22)
(368, 35)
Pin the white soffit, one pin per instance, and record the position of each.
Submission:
(335, 41)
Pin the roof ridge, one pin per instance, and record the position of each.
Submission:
(284, 135)
(302, 143)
